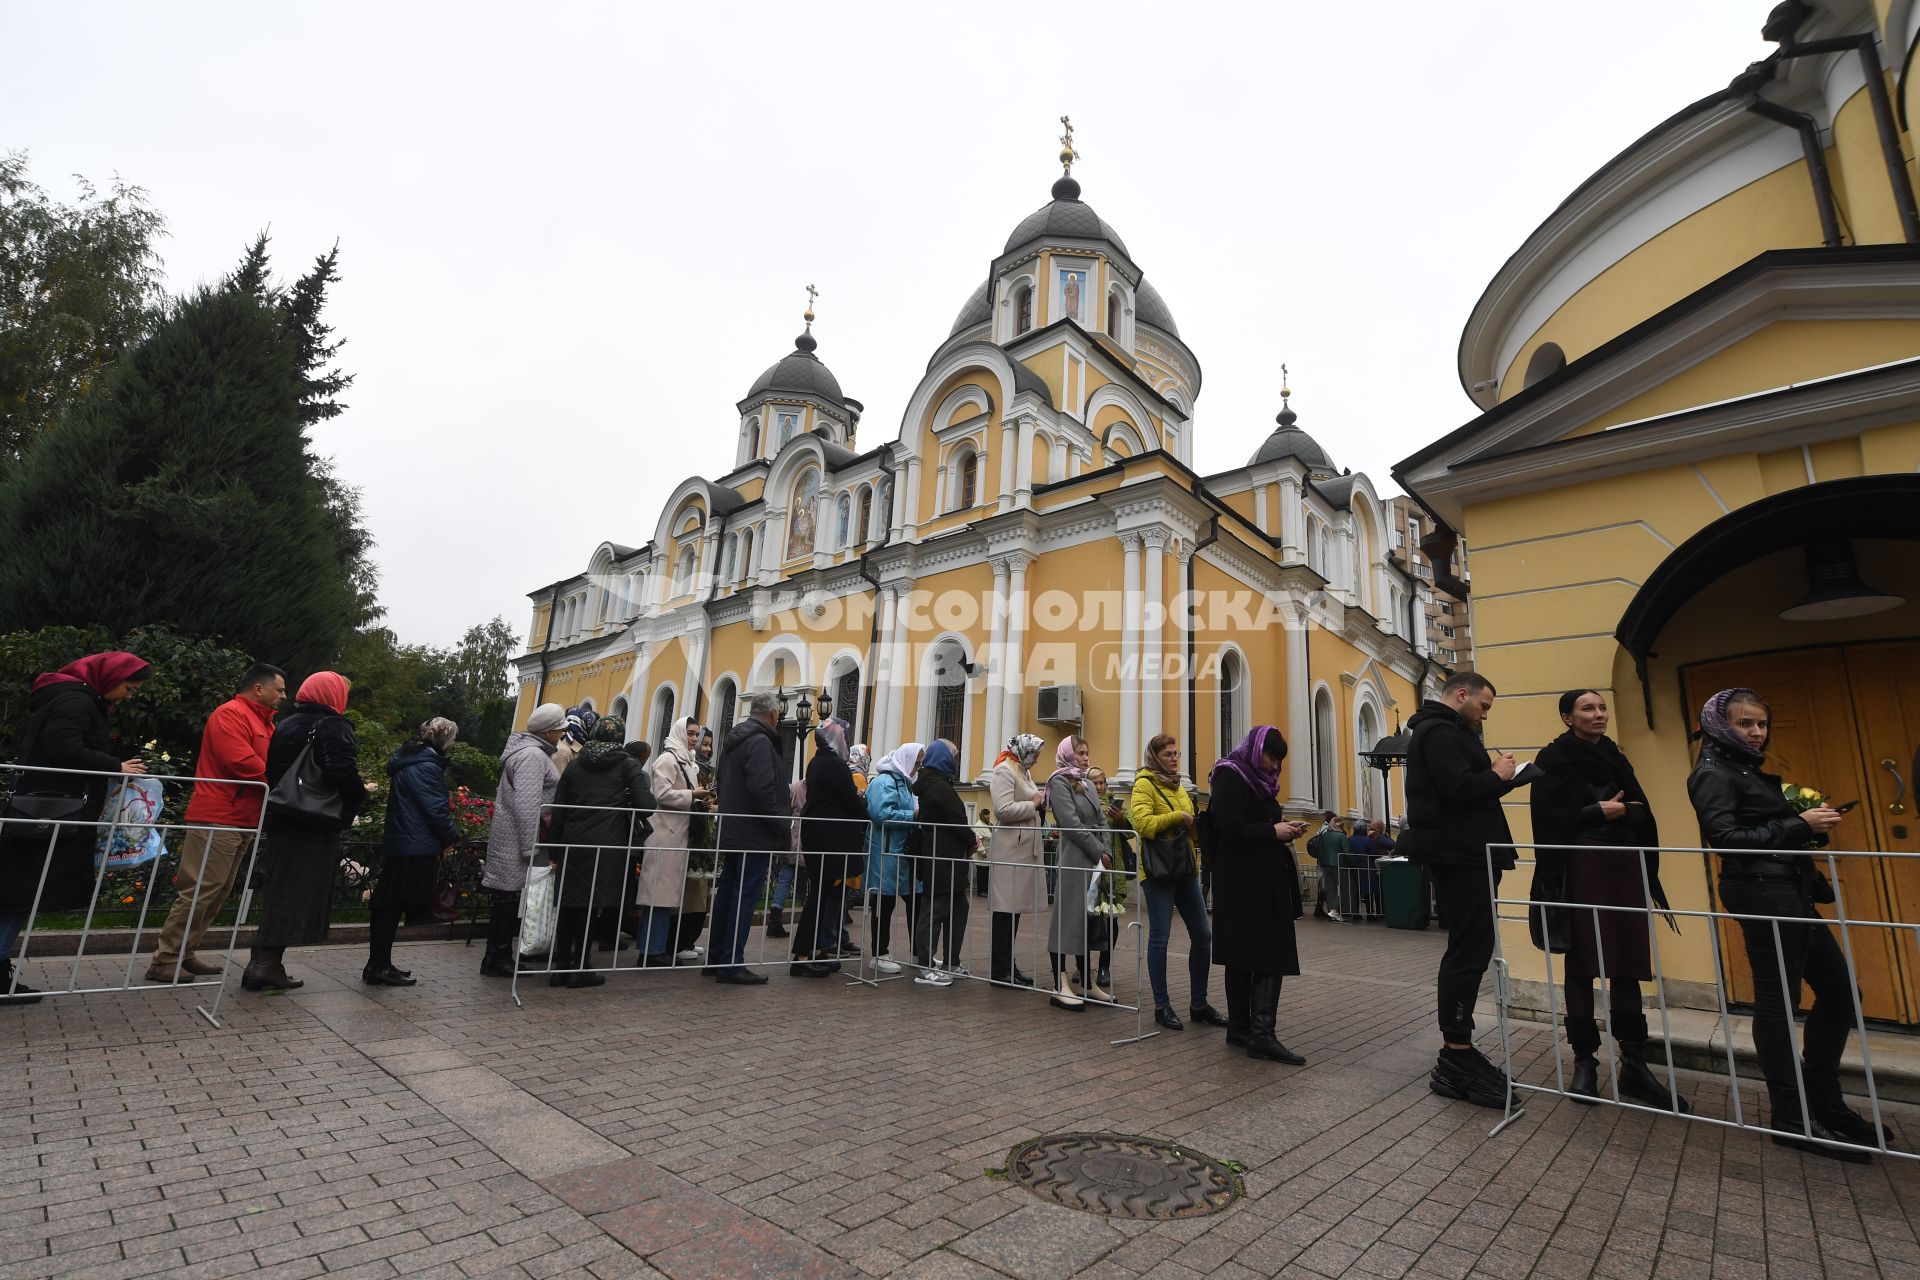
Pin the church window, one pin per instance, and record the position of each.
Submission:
(746, 553)
(1230, 677)
(663, 715)
(723, 702)
(753, 438)
(1326, 776)
(842, 521)
(950, 694)
(683, 572)
(866, 513)
(967, 481)
(1022, 309)
(846, 698)
(1113, 314)
(726, 565)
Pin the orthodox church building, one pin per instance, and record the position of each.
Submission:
(1031, 550)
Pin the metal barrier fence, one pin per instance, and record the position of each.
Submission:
(1586, 916)
(129, 833)
(895, 915)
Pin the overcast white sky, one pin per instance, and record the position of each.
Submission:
(573, 234)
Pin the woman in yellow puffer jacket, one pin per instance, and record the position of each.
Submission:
(1161, 809)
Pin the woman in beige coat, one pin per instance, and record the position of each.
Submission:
(1017, 880)
(677, 793)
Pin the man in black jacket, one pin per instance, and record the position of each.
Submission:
(1453, 815)
(756, 818)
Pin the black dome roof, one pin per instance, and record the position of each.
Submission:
(800, 374)
(1150, 308)
(1066, 216)
(1289, 441)
(978, 310)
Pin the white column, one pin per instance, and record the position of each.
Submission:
(1350, 568)
(904, 677)
(696, 673)
(1153, 629)
(1190, 755)
(772, 529)
(1299, 776)
(1130, 746)
(910, 500)
(1023, 466)
(1260, 508)
(882, 661)
(1016, 641)
(1007, 463)
(1292, 524)
(995, 732)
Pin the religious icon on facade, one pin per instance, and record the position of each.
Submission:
(789, 427)
(1070, 293)
(800, 525)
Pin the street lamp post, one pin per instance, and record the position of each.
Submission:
(1386, 753)
(801, 717)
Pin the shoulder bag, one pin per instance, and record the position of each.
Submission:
(1166, 857)
(304, 793)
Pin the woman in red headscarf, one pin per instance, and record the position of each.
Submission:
(303, 852)
(66, 729)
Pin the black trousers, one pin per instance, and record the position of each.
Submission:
(1809, 954)
(880, 921)
(942, 912)
(1466, 903)
(503, 919)
(1625, 1015)
(1005, 925)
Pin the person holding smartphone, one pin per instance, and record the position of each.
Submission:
(1765, 871)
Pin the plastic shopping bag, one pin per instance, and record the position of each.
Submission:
(133, 806)
(539, 911)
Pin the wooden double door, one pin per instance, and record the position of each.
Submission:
(1846, 721)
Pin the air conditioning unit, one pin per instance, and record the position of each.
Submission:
(1059, 703)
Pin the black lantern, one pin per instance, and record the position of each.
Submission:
(1386, 753)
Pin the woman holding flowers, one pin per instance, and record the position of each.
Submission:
(1765, 871)
(1590, 797)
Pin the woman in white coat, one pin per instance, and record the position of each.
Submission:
(677, 793)
(1017, 881)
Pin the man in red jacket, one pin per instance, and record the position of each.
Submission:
(233, 745)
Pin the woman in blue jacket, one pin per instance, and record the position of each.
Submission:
(891, 805)
(419, 828)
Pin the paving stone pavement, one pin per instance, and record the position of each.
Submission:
(665, 1126)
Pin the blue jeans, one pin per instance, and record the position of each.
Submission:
(10, 927)
(736, 897)
(782, 886)
(1163, 897)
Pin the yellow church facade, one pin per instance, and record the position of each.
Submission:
(1032, 552)
(1697, 461)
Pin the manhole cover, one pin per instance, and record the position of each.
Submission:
(1125, 1177)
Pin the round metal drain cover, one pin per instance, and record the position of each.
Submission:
(1122, 1176)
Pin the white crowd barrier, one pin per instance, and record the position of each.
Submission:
(867, 918)
(1515, 906)
(134, 845)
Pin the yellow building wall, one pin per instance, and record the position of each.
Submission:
(1859, 170)
(1774, 212)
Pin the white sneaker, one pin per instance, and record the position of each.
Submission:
(959, 971)
(691, 953)
(933, 978)
(887, 964)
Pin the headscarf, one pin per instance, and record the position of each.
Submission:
(1248, 760)
(547, 717)
(639, 750)
(588, 718)
(576, 727)
(1023, 748)
(437, 733)
(328, 688)
(859, 759)
(832, 736)
(942, 757)
(1066, 761)
(1160, 775)
(903, 760)
(609, 739)
(100, 672)
(1714, 723)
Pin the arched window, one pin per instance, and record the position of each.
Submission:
(1547, 360)
(746, 554)
(753, 438)
(846, 697)
(1372, 784)
(1231, 677)
(842, 521)
(619, 708)
(724, 696)
(727, 561)
(1022, 308)
(662, 716)
(866, 514)
(683, 571)
(950, 695)
(1326, 745)
(1114, 307)
(969, 479)
(1326, 553)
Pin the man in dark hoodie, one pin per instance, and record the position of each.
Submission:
(756, 818)
(1453, 814)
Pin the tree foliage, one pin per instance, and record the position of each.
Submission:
(183, 494)
(79, 284)
(405, 684)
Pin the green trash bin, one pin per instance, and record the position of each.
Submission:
(1406, 894)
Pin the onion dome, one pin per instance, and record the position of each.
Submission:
(1065, 217)
(1289, 441)
(800, 374)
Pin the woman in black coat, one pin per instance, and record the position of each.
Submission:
(833, 844)
(1256, 886)
(303, 853)
(596, 830)
(948, 843)
(1766, 870)
(1591, 797)
(66, 729)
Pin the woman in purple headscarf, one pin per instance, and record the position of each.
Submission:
(1256, 890)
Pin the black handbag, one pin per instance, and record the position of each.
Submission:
(1167, 857)
(303, 792)
(33, 817)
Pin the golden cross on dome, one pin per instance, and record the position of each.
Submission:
(1285, 391)
(1067, 152)
(812, 294)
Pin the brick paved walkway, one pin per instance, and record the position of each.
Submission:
(661, 1125)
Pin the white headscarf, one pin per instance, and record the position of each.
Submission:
(904, 761)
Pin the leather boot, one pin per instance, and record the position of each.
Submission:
(1263, 1011)
(1585, 1085)
(1092, 990)
(1063, 997)
(1637, 1081)
(497, 963)
(1239, 1024)
(777, 922)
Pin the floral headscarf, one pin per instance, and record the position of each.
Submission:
(1715, 724)
(437, 733)
(859, 759)
(609, 739)
(832, 736)
(1248, 760)
(1023, 748)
